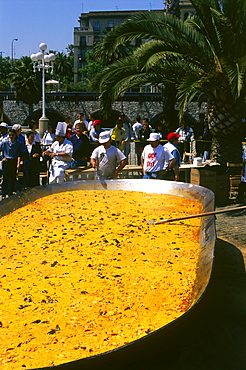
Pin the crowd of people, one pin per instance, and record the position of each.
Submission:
(69, 145)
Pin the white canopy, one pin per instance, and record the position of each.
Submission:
(49, 82)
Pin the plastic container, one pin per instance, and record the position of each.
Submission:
(197, 161)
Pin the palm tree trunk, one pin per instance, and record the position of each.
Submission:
(226, 149)
(30, 107)
(170, 113)
(227, 129)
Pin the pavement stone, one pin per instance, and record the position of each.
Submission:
(231, 226)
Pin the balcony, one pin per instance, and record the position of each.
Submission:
(82, 29)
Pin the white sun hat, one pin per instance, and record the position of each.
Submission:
(104, 137)
(154, 136)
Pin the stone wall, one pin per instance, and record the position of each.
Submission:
(18, 112)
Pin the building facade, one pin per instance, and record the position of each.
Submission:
(94, 25)
(186, 8)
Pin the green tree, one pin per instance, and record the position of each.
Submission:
(172, 7)
(5, 70)
(205, 55)
(63, 68)
(26, 82)
(92, 67)
(70, 50)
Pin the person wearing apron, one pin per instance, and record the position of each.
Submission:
(61, 152)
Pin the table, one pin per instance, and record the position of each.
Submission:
(186, 167)
(88, 173)
(129, 171)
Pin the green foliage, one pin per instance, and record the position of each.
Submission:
(172, 7)
(92, 68)
(26, 82)
(205, 54)
(5, 70)
(80, 86)
(63, 67)
(70, 50)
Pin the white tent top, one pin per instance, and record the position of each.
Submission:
(49, 82)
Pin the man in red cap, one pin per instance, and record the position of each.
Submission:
(172, 147)
(95, 130)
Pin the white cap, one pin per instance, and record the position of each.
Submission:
(61, 129)
(3, 124)
(16, 126)
(154, 137)
(104, 137)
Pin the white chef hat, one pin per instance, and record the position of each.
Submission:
(61, 129)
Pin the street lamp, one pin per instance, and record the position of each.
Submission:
(12, 53)
(12, 59)
(41, 62)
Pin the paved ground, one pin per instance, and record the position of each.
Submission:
(231, 226)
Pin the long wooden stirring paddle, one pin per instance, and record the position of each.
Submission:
(152, 222)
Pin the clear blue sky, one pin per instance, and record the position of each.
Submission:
(51, 21)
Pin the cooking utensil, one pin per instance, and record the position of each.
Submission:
(95, 177)
(153, 222)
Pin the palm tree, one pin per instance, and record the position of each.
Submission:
(26, 82)
(172, 7)
(203, 56)
(63, 67)
(5, 70)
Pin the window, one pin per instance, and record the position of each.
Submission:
(96, 26)
(82, 64)
(82, 40)
(96, 39)
(110, 24)
(83, 52)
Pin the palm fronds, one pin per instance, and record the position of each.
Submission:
(204, 54)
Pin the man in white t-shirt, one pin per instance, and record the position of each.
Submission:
(81, 118)
(106, 158)
(136, 127)
(155, 159)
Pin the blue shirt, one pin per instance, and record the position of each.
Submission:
(10, 150)
(176, 155)
(243, 179)
(94, 135)
(81, 146)
(173, 149)
(21, 139)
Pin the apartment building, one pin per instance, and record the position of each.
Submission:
(94, 25)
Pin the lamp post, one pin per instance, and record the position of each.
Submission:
(12, 53)
(12, 59)
(41, 62)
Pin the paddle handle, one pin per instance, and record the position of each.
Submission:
(198, 215)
